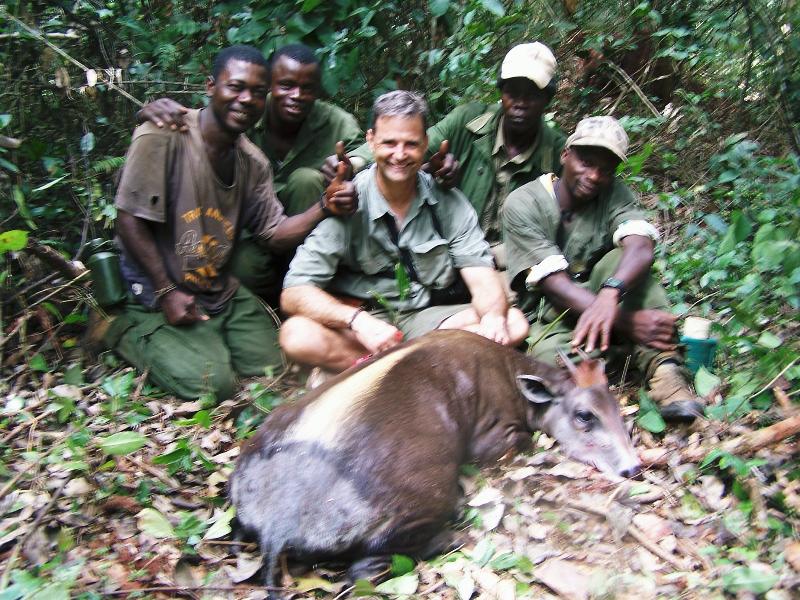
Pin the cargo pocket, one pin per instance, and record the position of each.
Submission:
(433, 263)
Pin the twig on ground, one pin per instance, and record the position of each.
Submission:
(633, 531)
(747, 443)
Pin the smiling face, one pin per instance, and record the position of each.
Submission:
(238, 95)
(294, 88)
(398, 145)
(523, 104)
(588, 171)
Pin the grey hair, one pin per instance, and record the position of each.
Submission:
(400, 103)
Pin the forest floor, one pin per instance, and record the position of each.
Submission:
(113, 490)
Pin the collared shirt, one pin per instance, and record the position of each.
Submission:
(472, 130)
(505, 169)
(355, 256)
(540, 241)
(325, 125)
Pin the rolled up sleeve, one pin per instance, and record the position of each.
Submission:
(530, 239)
(317, 259)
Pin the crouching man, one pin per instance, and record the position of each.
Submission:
(182, 202)
(407, 262)
(582, 243)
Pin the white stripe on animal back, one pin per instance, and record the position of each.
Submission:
(322, 419)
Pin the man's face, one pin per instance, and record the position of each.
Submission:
(588, 171)
(294, 88)
(398, 145)
(238, 95)
(523, 104)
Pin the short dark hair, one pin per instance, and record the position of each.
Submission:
(241, 52)
(299, 52)
(400, 103)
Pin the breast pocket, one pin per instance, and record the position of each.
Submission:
(433, 263)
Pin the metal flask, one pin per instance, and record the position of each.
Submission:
(103, 263)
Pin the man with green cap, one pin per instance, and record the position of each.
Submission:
(582, 244)
(489, 150)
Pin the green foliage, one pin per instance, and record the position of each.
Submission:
(743, 267)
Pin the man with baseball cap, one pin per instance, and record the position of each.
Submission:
(488, 150)
(582, 244)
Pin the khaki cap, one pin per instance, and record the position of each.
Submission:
(603, 132)
(532, 61)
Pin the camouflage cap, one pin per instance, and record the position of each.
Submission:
(603, 132)
(533, 61)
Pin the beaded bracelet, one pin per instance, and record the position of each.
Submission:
(158, 294)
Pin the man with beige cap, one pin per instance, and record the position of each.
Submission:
(581, 243)
(488, 150)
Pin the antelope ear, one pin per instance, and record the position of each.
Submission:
(534, 389)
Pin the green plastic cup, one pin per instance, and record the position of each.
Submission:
(699, 352)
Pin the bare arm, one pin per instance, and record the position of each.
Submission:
(489, 302)
(600, 313)
(320, 306)
(340, 198)
(179, 307)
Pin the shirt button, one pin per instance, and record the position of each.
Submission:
(480, 170)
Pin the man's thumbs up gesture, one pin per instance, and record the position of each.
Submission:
(340, 196)
(443, 166)
(331, 164)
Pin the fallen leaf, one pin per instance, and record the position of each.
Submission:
(792, 554)
(221, 523)
(246, 567)
(405, 585)
(490, 517)
(563, 578)
(653, 526)
(124, 442)
(77, 487)
(152, 522)
(306, 584)
(487, 495)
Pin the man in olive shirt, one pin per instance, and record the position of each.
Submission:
(582, 243)
(490, 150)
(360, 285)
(297, 133)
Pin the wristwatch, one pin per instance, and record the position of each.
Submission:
(617, 284)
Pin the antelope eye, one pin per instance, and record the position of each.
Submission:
(584, 416)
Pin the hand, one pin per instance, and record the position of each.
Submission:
(164, 113)
(443, 166)
(330, 166)
(652, 327)
(179, 308)
(340, 196)
(596, 322)
(495, 328)
(375, 335)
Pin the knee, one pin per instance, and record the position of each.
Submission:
(303, 188)
(297, 335)
(213, 377)
(518, 326)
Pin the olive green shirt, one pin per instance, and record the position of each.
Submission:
(325, 125)
(355, 256)
(540, 240)
(487, 174)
